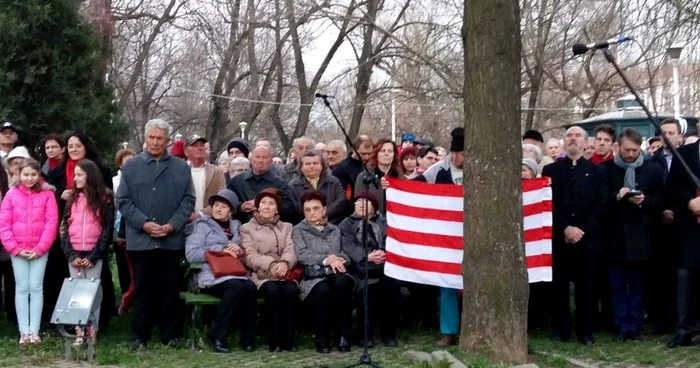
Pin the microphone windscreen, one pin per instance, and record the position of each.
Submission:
(579, 49)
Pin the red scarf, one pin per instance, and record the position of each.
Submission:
(53, 162)
(598, 159)
(70, 172)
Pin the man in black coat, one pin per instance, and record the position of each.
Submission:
(683, 195)
(628, 230)
(348, 169)
(261, 176)
(660, 283)
(578, 200)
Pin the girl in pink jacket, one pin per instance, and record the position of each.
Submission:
(28, 228)
(85, 230)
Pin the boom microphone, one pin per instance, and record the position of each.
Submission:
(321, 95)
(580, 48)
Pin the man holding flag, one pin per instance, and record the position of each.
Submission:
(425, 232)
(448, 171)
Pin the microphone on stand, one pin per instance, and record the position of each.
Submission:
(580, 48)
(321, 95)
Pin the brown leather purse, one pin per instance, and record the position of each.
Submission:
(223, 264)
(295, 274)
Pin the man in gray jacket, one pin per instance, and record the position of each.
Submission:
(155, 197)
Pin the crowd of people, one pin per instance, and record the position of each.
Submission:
(291, 231)
(296, 229)
(625, 232)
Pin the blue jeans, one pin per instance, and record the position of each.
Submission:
(29, 292)
(627, 296)
(449, 311)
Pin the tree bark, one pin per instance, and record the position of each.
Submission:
(308, 90)
(219, 117)
(368, 60)
(494, 318)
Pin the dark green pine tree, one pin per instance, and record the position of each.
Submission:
(50, 74)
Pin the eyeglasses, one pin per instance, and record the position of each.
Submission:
(312, 209)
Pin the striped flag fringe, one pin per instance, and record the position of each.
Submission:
(425, 227)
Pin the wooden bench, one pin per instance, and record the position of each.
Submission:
(195, 300)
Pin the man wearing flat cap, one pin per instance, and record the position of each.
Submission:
(206, 178)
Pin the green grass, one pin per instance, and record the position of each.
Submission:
(607, 352)
(112, 350)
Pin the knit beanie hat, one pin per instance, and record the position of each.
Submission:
(237, 143)
(532, 165)
(457, 144)
(533, 134)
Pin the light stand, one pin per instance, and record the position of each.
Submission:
(75, 307)
(367, 178)
(676, 157)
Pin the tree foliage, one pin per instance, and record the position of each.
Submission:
(50, 73)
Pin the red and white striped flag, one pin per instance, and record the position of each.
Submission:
(425, 227)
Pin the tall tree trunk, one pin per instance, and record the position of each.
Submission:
(364, 69)
(494, 321)
(219, 115)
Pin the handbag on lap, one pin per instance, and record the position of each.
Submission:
(224, 264)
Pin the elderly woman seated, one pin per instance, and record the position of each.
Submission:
(384, 292)
(327, 287)
(219, 233)
(270, 254)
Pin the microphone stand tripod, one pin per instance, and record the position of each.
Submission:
(367, 178)
(676, 157)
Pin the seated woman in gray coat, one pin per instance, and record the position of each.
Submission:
(384, 292)
(220, 233)
(315, 176)
(326, 286)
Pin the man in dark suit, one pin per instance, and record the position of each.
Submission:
(578, 199)
(660, 278)
(671, 128)
(684, 197)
